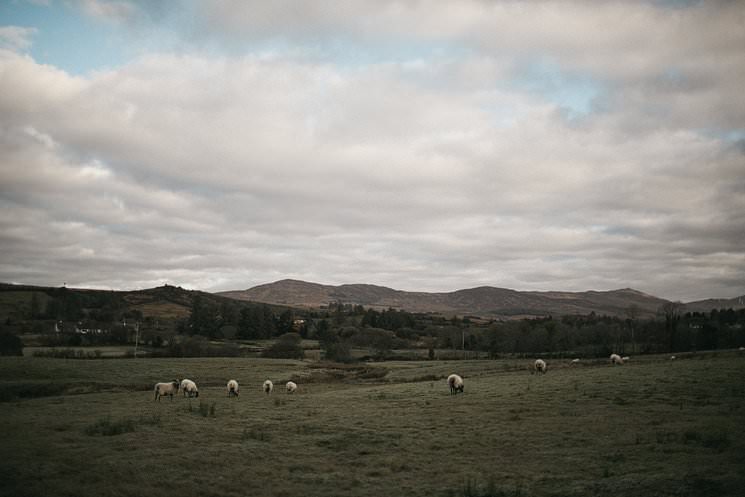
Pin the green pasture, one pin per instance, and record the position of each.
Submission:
(652, 427)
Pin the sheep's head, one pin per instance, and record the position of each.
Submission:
(175, 383)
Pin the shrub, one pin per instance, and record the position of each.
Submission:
(10, 344)
(287, 346)
(338, 352)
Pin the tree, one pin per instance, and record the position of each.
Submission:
(35, 306)
(671, 311)
(204, 318)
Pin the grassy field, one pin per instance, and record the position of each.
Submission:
(650, 427)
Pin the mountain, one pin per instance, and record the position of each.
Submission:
(709, 304)
(484, 301)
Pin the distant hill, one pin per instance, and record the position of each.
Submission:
(484, 301)
(709, 304)
(167, 302)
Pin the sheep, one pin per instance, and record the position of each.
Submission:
(169, 388)
(672, 357)
(291, 387)
(625, 358)
(616, 359)
(268, 387)
(540, 366)
(189, 388)
(455, 383)
(232, 388)
(575, 361)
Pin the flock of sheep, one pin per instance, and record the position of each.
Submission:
(455, 382)
(189, 388)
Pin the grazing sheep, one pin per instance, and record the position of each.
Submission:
(575, 361)
(232, 388)
(672, 357)
(455, 383)
(189, 388)
(291, 387)
(741, 349)
(540, 366)
(616, 359)
(169, 388)
(268, 386)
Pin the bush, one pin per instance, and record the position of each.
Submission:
(338, 352)
(287, 346)
(10, 344)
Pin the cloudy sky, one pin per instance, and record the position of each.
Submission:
(421, 145)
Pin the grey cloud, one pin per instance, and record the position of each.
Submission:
(221, 173)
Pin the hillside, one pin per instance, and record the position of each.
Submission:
(25, 303)
(709, 304)
(482, 301)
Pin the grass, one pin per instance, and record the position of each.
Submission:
(646, 428)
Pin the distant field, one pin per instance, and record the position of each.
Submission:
(650, 427)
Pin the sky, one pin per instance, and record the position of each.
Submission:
(422, 145)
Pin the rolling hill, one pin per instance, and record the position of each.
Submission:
(481, 301)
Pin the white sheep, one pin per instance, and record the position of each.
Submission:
(268, 387)
(616, 359)
(575, 361)
(540, 366)
(189, 388)
(672, 357)
(232, 388)
(455, 383)
(625, 358)
(169, 388)
(291, 387)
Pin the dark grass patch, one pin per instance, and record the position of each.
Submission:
(31, 390)
(472, 488)
(359, 440)
(260, 434)
(428, 377)
(204, 409)
(697, 486)
(329, 372)
(14, 391)
(108, 427)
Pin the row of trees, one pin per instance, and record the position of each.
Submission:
(589, 335)
(227, 320)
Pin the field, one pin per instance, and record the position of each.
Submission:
(650, 427)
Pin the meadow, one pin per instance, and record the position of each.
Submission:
(650, 427)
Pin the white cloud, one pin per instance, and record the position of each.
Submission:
(16, 38)
(118, 11)
(434, 173)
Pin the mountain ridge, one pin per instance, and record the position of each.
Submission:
(484, 301)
